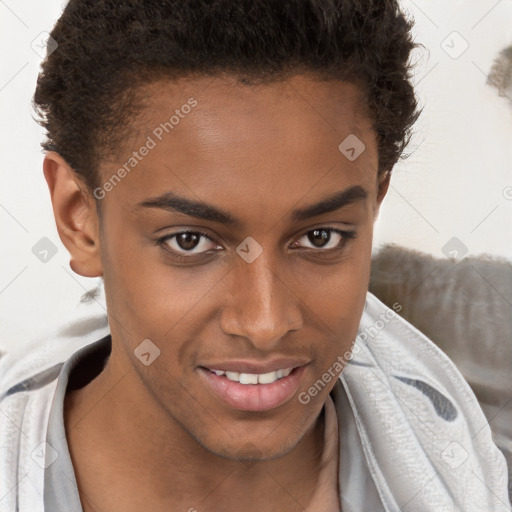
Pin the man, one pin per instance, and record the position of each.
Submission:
(221, 165)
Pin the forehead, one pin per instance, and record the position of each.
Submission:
(214, 137)
(302, 104)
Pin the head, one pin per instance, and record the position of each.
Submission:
(221, 165)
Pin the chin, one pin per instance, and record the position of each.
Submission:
(251, 451)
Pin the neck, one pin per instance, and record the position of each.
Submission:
(126, 449)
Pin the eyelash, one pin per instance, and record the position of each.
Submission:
(346, 236)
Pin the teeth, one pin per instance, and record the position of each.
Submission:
(248, 378)
(267, 378)
(287, 372)
(255, 378)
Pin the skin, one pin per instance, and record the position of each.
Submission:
(155, 437)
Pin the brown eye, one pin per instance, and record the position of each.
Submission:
(324, 239)
(187, 241)
(318, 237)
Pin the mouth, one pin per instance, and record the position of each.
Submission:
(253, 378)
(253, 391)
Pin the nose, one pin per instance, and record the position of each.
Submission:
(263, 309)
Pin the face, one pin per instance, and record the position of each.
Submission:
(239, 241)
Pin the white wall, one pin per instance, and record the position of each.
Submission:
(457, 181)
(454, 185)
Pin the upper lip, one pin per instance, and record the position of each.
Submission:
(246, 366)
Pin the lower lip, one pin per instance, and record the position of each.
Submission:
(254, 397)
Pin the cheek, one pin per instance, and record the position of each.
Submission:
(340, 291)
(150, 297)
(337, 301)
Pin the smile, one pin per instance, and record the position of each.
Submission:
(254, 392)
(254, 378)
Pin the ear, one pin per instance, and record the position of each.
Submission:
(75, 215)
(382, 189)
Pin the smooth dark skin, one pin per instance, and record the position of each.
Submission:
(155, 437)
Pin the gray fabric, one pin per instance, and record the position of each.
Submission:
(397, 440)
(464, 306)
(60, 488)
(357, 488)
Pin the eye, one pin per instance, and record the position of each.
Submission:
(188, 242)
(184, 245)
(326, 238)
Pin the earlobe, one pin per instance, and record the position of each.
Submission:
(75, 215)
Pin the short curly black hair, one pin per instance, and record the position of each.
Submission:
(107, 49)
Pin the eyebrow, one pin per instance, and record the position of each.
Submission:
(174, 203)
